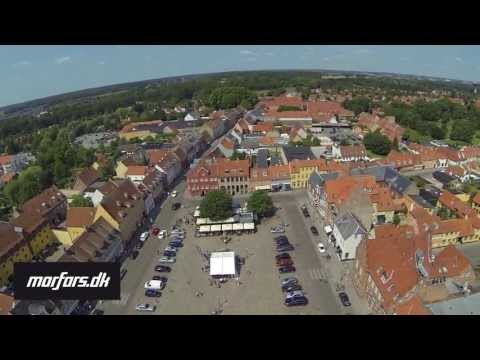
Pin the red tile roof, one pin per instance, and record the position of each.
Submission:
(135, 170)
(42, 203)
(6, 304)
(349, 151)
(227, 168)
(6, 159)
(6, 178)
(80, 216)
(401, 160)
(451, 262)
(414, 306)
(154, 156)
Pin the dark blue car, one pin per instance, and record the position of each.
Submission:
(283, 248)
(296, 301)
(169, 253)
(152, 293)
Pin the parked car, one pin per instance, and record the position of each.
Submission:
(166, 259)
(169, 253)
(344, 299)
(170, 248)
(282, 242)
(134, 255)
(291, 287)
(177, 236)
(281, 237)
(305, 211)
(97, 312)
(284, 262)
(176, 206)
(139, 246)
(152, 293)
(175, 244)
(321, 248)
(286, 269)
(283, 248)
(277, 230)
(123, 272)
(162, 268)
(301, 300)
(293, 294)
(163, 279)
(155, 231)
(145, 307)
(283, 256)
(174, 193)
(144, 236)
(314, 230)
(162, 234)
(289, 280)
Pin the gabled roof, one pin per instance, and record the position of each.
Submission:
(348, 225)
(80, 216)
(42, 203)
(88, 176)
(135, 170)
(414, 306)
(9, 238)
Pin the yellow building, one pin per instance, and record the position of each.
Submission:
(121, 170)
(300, 171)
(13, 248)
(36, 231)
(463, 197)
(451, 232)
(476, 202)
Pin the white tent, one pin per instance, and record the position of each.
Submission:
(196, 214)
(204, 228)
(237, 227)
(222, 263)
(226, 227)
(216, 228)
(249, 226)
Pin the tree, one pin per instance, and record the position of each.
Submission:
(358, 105)
(436, 132)
(377, 143)
(396, 219)
(107, 171)
(260, 203)
(237, 155)
(217, 205)
(463, 131)
(79, 201)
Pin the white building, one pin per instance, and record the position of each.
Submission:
(223, 264)
(348, 232)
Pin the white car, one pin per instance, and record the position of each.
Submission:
(174, 193)
(162, 234)
(154, 284)
(166, 259)
(144, 236)
(145, 307)
(171, 248)
(321, 248)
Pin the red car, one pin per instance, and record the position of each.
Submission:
(155, 231)
(284, 262)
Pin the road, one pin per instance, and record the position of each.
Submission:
(139, 270)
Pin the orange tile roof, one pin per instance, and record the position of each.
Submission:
(156, 155)
(228, 144)
(6, 304)
(136, 170)
(455, 171)
(384, 201)
(451, 262)
(297, 164)
(5, 159)
(476, 198)
(6, 178)
(42, 203)
(339, 189)
(279, 172)
(391, 265)
(262, 127)
(283, 100)
(461, 226)
(399, 160)
(129, 127)
(353, 150)
(80, 216)
(226, 168)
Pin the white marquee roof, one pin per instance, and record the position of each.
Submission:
(222, 263)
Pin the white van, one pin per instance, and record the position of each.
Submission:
(154, 285)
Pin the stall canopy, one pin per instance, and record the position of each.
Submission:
(237, 227)
(227, 227)
(204, 228)
(201, 221)
(196, 213)
(249, 226)
(222, 263)
(216, 228)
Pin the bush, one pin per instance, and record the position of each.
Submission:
(217, 205)
(377, 143)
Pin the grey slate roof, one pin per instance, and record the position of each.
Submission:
(297, 152)
(275, 160)
(262, 156)
(317, 179)
(422, 202)
(348, 225)
(387, 174)
(444, 178)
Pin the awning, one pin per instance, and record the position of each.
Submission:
(196, 213)
(204, 228)
(222, 263)
(263, 187)
(201, 221)
(237, 227)
(216, 228)
(227, 227)
(249, 226)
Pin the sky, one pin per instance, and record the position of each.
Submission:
(31, 72)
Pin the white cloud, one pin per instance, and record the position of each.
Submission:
(63, 59)
(247, 52)
(22, 63)
(270, 54)
(102, 62)
(459, 59)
